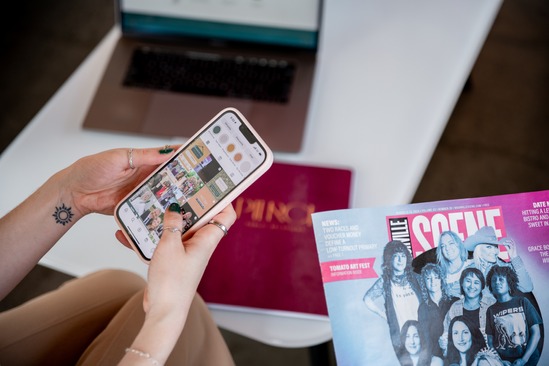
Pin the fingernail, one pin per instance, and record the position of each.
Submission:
(166, 150)
(174, 207)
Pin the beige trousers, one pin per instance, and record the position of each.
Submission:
(91, 320)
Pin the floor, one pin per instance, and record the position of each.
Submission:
(496, 140)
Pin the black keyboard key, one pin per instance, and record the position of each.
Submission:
(250, 78)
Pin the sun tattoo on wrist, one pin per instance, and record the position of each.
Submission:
(63, 215)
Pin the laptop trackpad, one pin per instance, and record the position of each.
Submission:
(178, 115)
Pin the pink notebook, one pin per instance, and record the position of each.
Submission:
(269, 259)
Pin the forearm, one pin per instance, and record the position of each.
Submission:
(535, 336)
(525, 282)
(374, 294)
(157, 337)
(31, 229)
(372, 306)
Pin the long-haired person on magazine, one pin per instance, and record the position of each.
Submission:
(464, 342)
(416, 348)
(396, 295)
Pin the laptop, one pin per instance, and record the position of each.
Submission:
(179, 62)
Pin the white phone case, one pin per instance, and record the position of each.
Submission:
(121, 210)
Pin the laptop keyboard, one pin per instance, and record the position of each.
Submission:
(206, 74)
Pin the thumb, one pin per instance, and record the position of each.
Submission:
(173, 223)
(171, 244)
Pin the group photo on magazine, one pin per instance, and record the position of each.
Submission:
(440, 283)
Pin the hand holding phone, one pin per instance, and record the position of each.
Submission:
(206, 174)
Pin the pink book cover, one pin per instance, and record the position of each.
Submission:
(269, 258)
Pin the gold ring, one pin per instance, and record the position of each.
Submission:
(130, 158)
(220, 226)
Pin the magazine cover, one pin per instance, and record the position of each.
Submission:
(269, 259)
(457, 282)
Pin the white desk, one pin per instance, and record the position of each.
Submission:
(389, 74)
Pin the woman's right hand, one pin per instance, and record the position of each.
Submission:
(96, 183)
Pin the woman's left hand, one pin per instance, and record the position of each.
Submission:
(176, 266)
(174, 274)
(96, 183)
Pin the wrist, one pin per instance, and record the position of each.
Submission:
(143, 356)
(168, 320)
(157, 337)
(65, 210)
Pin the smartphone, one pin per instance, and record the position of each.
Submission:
(207, 173)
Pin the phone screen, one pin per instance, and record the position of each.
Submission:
(207, 169)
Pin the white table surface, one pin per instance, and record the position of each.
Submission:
(389, 74)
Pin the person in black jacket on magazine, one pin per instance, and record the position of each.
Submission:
(435, 305)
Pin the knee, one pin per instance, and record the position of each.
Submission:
(118, 278)
(116, 282)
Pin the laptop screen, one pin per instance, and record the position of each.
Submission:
(276, 22)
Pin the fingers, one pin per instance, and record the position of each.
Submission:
(173, 222)
(137, 158)
(226, 217)
(170, 245)
(204, 241)
(122, 239)
(509, 244)
(218, 227)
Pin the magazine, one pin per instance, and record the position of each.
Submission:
(458, 282)
(269, 259)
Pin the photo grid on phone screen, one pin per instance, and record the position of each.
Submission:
(201, 175)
